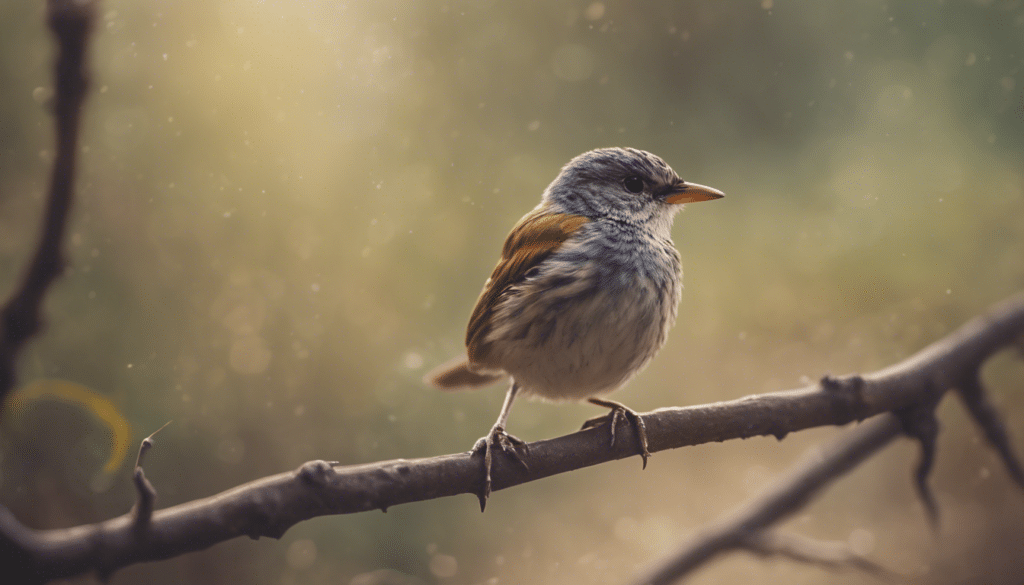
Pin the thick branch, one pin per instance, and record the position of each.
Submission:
(70, 21)
(269, 506)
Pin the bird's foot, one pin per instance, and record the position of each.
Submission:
(509, 444)
(621, 412)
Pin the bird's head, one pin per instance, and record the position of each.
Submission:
(623, 184)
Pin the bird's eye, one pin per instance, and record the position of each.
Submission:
(633, 184)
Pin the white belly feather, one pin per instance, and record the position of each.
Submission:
(570, 332)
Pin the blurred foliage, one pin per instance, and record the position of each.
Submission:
(286, 211)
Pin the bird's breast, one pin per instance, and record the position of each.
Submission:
(592, 316)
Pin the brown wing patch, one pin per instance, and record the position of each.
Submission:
(534, 238)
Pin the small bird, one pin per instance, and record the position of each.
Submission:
(584, 294)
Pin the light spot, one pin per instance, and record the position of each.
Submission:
(443, 566)
(42, 94)
(767, 4)
(595, 11)
(413, 360)
(533, 126)
(301, 554)
(231, 450)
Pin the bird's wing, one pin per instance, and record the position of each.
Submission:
(538, 235)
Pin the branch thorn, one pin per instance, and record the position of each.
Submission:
(919, 423)
(143, 509)
(974, 397)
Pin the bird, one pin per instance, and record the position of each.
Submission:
(583, 296)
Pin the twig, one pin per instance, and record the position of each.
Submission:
(920, 423)
(71, 22)
(975, 399)
(953, 362)
(269, 506)
(143, 510)
(793, 492)
(835, 556)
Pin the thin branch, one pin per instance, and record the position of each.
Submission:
(787, 496)
(834, 556)
(143, 510)
(920, 423)
(975, 399)
(269, 506)
(70, 21)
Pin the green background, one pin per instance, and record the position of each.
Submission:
(287, 209)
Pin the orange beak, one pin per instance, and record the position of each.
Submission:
(692, 193)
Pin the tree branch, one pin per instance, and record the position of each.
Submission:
(269, 506)
(819, 468)
(952, 363)
(830, 555)
(143, 510)
(975, 399)
(71, 22)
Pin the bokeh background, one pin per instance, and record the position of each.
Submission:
(287, 209)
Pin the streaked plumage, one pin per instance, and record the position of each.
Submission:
(586, 288)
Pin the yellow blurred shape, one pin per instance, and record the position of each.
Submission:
(72, 392)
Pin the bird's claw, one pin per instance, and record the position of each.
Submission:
(509, 444)
(620, 412)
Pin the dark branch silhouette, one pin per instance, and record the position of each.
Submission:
(71, 22)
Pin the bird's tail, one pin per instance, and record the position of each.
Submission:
(457, 375)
